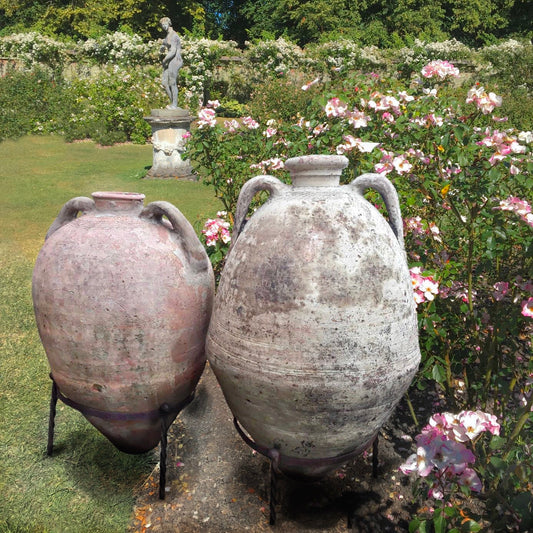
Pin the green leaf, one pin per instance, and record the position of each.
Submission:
(414, 525)
(465, 490)
(497, 442)
(440, 524)
(500, 233)
(459, 132)
(523, 504)
(462, 159)
(498, 463)
(494, 174)
(450, 511)
(438, 374)
(472, 525)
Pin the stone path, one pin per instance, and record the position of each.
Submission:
(216, 483)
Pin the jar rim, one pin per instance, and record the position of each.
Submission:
(317, 161)
(117, 195)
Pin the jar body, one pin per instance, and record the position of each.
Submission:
(122, 316)
(314, 336)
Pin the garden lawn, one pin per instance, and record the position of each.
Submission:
(88, 485)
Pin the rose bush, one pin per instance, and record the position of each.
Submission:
(444, 458)
(216, 237)
(463, 174)
(110, 107)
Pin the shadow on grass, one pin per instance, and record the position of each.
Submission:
(96, 467)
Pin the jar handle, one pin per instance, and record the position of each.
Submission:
(69, 212)
(181, 227)
(249, 190)
(383, 185)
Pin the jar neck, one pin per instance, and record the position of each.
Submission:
(121, 202)
(316, 170)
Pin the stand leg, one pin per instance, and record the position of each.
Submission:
(163, 453)
(273, 494)
(351, 520)
(51, 419)
(375, 446)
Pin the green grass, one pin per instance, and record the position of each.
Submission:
(87, 485)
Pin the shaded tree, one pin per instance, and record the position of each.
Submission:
(417, 18)
(90, 18)
(302, 21)
(476, 21)
(380, 22)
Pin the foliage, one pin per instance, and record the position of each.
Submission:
(344, 55)
(107, 105)
(387, 24)
(479, 19)
(444, 460)
(120, 48)
(218, 166)
(283, 99)
(200, 57)
(92, 18)
(309, 19)
(216, 237)
(412, 58)
(112, 105)
(464, 184)
(270, 58)
(231, 82)
(33, 102)
(34, 49)
(231, 109)
(510, 66)
(208, 74)
(371, 22)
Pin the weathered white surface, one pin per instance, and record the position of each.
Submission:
(314, 335)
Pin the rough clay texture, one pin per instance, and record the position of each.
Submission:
(122, 317)
(314, 335)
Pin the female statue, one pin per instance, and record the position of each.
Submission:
(172, 62)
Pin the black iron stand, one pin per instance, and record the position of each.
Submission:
(52, 418)
(164, 413)
(273, 496)
(274, 456)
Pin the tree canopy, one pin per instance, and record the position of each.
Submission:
(378, 22)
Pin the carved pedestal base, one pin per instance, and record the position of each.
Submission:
(168, 127)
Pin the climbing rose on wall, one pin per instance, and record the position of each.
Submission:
(440, 69)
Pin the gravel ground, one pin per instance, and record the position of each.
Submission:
(216, 483)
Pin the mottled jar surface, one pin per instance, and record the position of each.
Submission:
(122, 308)
(314, 335)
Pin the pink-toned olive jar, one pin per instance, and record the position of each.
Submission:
(123, 296)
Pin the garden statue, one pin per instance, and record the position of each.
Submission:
(172, 62)
(170, 126)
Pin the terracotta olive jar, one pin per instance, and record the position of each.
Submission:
(123, 297)
(313, 336)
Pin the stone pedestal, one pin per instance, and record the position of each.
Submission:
(168, 128)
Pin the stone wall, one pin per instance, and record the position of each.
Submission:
(7, 64)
